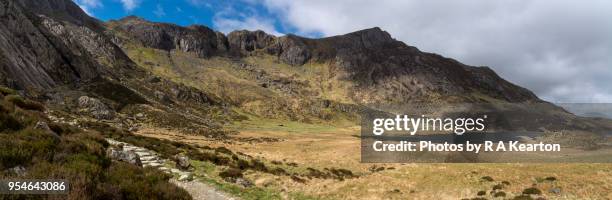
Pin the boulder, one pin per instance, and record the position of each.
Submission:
(185, 177)
(17, 170)
(163, 97)
(125, 156)
(95, 108)
(182, 162)
(41, 125)
(244, 182)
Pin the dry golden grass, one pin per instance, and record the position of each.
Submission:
(322, 146)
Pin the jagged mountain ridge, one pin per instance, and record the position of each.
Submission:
(371, 58)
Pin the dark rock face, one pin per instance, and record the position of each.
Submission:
(385, 69)
(197, 39)
(291, 50)
(28, 57)
(382, 68)
(242, 42)
(53, 42)
(95, 108)
(61, 10)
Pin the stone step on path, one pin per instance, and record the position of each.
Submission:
(183, 179)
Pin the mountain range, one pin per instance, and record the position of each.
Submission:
(201, 78)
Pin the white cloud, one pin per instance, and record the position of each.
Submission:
(88, 5)
(560, 49)
(130, 5)
(159, 11)
(228, 20)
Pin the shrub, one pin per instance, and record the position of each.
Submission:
(522, 197)
(24, 103)
(487, 178)
(499, 194)
(231, 173)
(532, 190)
(298, 179)
(146, 183)
(550, 178)
(8, 122)
(6, 91)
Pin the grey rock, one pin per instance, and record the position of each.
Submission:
(555, 190)
(291, 50)
(242, 42)
(139, 116)
(185, 177)
(95, 108)
(42, 126)
(243, 182)
(197, 39)
(162, 97)
(18, 170)
(182, 162)
(125, 156)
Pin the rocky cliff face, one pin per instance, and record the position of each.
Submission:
(52, 43)
(382, 68)
(201, 40)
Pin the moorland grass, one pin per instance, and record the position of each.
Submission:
(66, 152)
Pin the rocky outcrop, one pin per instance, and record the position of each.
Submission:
(197, 39)
(291, 50)
(49, 43)
(243, 41)
(95, 108)
(123, 155)
(182, 162)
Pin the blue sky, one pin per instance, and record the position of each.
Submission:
(560, 49)
(221, 15)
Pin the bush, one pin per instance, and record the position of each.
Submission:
(8, 122)
(6, 91)
(486, 178)
(500, 194)
(532, 190)
(231, 173)
(24, 103)
(135, 183)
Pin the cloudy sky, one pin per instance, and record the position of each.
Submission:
(560, 49)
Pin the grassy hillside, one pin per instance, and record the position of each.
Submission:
(257, 85)
(67, 152)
